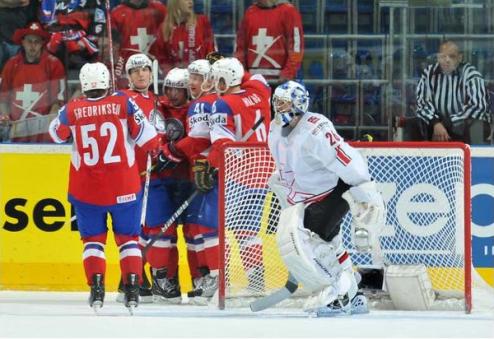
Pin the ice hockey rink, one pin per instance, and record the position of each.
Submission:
(55, 315)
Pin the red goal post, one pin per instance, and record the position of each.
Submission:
(426, 186)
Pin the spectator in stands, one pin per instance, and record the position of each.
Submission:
(138, 22)
(74, 27)
(14, 14)
(270, 40)
(32, 87)
(452, 99)
(184, 36)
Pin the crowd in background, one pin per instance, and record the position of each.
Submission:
(62, 35)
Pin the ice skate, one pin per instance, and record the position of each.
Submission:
(204, 286)
(97, 294)
(342, 306)
(165, 288)
(131, 297)
(145, 293)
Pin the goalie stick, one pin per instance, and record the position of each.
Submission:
(187, 202)
(272, 299)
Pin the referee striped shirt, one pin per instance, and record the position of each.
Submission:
(457, 96)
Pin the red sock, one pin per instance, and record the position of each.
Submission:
(94, 256)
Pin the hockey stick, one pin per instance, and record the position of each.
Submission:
(169, 222)
(146, 190)
(270, 300)
(110, 44)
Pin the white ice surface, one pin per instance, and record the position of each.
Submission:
(54, 315)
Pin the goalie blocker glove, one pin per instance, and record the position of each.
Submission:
(204, 175)
(168, 158)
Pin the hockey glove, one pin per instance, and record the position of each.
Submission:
(214, 56)
(368, 213)
(168, 158)
(204, 175)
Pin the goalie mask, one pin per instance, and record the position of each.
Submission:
(139, 61)
(227, 73)
(289, 100)
(94, 76)
(197, 87)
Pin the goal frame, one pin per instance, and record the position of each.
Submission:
(402, 145)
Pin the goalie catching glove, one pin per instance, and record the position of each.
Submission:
(168, 158)
(204, 175)
(368, 213)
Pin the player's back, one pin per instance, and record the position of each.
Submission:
(246, 108)
(104, 155)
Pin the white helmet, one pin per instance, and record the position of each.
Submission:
(94, 76)
(230, 70)
(201, 67)
(138, 61)
(177, 78)
(290, 99)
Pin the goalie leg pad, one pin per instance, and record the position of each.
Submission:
(311, 260)
(409, 287)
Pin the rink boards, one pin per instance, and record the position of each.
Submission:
(40, 247)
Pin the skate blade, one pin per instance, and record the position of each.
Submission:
(97, 305)
(148, 299)
(173, 301)
(131, 307)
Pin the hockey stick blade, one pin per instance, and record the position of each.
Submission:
(270, 300)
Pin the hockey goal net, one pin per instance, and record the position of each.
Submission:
(426, 187)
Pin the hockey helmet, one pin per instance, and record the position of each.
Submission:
(290, 99)
(200, 67)
(230, 70)
(177, 78)
(138, 61)
(94, 76)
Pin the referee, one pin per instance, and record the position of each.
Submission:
(452, 99)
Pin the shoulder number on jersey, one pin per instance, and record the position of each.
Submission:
(332, 137)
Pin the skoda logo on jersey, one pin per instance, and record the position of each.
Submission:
(197, 119)
(218, 119)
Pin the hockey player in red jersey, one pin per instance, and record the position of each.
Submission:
(274, 47)
(244, 101)
(166, 192)
(201, 217)
(236, 113)
(104, 177)
(138, 22)
(139, 73)
(32, 86)
(183, 37)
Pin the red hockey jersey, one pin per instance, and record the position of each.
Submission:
(234, 115)
(105, 131)
(147, 104)
(272, 47)
(198, 140)
(185, 45)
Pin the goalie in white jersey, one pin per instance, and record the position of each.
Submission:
(318, 178)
